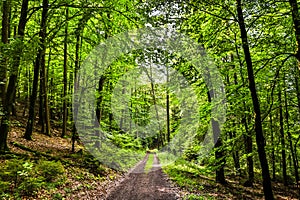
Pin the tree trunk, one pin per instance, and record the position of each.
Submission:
(273, 148)
(235, 154)
(45, 95)
(4, 40)
(80, 27)
(41, 107)
(282, 139)
(74, 134)
(219, 153)
(65, 100)
(38, 62)
(249, 150)
(296, 22)
(168, 107)
(3, 75)
(260, 140)
(290, 139)
(297, 88)
(4, 128)
(99, 109)
(232, 134)
(160, 136)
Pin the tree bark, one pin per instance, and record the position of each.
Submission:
(38, 62)
(260, 140)
(65, 78)
(219, 153)
(232, 134)
(99, 109)
(5, 121)
(249, 150)
(297, 82)
(4, 40)
(273, 148)
(78, 31)
(282, 139)
(41, 107)
(168, 107)
(45, 95)
(296, 22)
(295, 164)
(3, 75)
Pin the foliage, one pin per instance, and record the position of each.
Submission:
(274, 48)
(25, 178)
(187, 174)
(50, 170)
(196, 197)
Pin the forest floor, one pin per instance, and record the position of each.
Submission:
(86, 178)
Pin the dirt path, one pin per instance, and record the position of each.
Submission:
(145, 186)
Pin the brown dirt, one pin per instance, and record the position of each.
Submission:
(149, 186)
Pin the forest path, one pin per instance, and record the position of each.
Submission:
(140, 185)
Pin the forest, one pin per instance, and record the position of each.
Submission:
(149, 99)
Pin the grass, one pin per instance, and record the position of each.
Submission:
(189, 176)
(198, 182)
(196, 197)
(149, 163)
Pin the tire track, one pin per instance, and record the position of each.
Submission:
(141, 186)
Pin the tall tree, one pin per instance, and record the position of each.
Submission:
(4, 40)
(296, 22)
(5, 121)
(65, 79)
(294, 155)
(38, 62)
(282, 138)
(260, 140)
(219, 152)
(44, 90)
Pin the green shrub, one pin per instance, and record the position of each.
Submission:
(9, 171)
(31, 185)
(15, 171)
(57, 196)
(19, 177)
(192, 153)
(4, 186)
(50, 170)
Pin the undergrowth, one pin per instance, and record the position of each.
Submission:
(186, 174)
(19, 178)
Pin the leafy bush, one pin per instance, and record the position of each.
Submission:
(192, 153)
(50, 170)
(20, 177)
(4, 186)
(15, 171)
(57, 196)
(31, 185)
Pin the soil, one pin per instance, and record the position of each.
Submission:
(137, 185)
